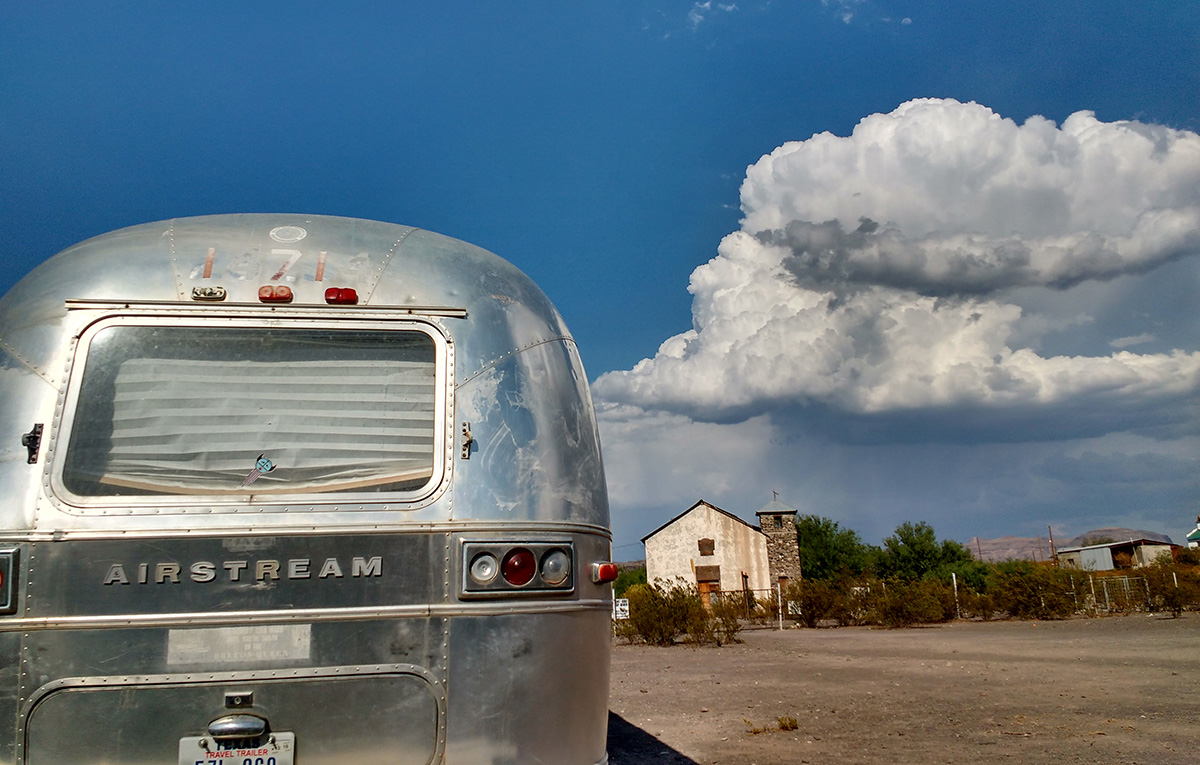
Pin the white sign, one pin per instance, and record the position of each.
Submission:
(279, 749)
(621, 608)
(239, 645)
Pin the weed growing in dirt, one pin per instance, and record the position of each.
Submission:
(781, 723)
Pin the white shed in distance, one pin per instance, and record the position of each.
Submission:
(710, 548)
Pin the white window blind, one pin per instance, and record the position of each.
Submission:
(197, 426)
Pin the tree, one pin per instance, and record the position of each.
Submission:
(914, 552)
(827, 550)
(627, 578)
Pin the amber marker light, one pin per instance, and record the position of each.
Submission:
(275, 293)
(604, 572)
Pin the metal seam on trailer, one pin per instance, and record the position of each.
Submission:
(484, 608)
(370, 292)
(11, 351)
(301, 310)
(495, 362)
(308, 530)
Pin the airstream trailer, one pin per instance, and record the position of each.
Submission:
(293, 490)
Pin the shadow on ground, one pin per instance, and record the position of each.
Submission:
(630, 745)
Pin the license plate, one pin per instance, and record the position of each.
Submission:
(276, 749)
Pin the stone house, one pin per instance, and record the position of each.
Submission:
(710, 548)
(778, 522)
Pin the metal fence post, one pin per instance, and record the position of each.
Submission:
(954, 580)
(779, 602)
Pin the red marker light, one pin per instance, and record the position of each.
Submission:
(518, 567)
(341, 296)
(605, 572)
(275, 293)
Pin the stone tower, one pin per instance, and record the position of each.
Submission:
(778, 523)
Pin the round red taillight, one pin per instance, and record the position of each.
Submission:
(518, 567)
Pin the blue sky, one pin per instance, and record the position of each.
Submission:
(604, 148)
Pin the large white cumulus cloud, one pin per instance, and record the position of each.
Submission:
(871, 271)
(945, 197)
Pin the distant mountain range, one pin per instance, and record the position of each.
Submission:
(1038, 548)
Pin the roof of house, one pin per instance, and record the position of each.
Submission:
(1122, 543)
(693, 507)
(775, 507)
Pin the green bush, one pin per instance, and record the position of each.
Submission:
(818, 600)
(726, 611)
(627, 579)
(626, 630)
(698, 626)
(1188, 556)
(975, 604)
(1172, 587)
(902, 604)
(663, 612)
(1027, 590)
(651, 616)
(855, 605)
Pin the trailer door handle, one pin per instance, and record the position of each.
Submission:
(237, 726)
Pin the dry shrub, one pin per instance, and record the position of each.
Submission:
(1187, 556)
(726, 611)
(662, 612)
(978, 605)
(1028, 590)
(1173, 587)
(818, 601)
(626, 630)
(652, 616)
(903, 604)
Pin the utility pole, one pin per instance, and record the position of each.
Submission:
(1053, 550)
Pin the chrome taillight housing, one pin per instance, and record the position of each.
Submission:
(499, 568)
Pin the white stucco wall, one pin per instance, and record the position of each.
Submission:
(674, 551)
(1145, 555)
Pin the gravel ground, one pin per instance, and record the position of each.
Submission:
(1119, 689)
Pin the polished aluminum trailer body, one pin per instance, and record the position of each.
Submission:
(204, 533)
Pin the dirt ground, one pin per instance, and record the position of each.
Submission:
(1111, 690)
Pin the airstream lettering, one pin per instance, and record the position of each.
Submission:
(302, 488)
(206, 571)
